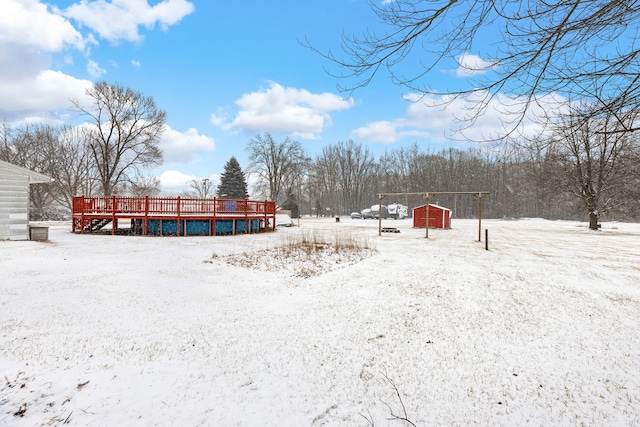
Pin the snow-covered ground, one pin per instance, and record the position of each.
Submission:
(541, 329)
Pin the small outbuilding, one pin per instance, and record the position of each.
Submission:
(439, 217)
(14, 200)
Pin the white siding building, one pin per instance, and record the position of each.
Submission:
(14, 200)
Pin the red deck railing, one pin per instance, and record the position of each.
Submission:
(87, 209)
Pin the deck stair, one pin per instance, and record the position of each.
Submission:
(97, 224)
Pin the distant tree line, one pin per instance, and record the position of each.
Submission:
(582, 167)
(580, 170)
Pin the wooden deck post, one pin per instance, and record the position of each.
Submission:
(215, 204)
(178, 228)
(82, 216)
(479, 197)
(146, 216)
(246, 215)
(114, 225)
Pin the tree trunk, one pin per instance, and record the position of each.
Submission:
(593, 221)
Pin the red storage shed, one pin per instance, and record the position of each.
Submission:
(439, 217)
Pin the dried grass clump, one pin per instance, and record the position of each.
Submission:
(308, 253)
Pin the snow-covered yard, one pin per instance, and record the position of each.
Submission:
(542, 329)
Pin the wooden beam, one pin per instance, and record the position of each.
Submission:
(380, 197)
(432, 193)
(426, 215)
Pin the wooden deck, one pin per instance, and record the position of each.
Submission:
(175, 216)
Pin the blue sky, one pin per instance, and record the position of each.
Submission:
(223, 71)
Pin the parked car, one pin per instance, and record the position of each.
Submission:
(356, 215)
(366, 213)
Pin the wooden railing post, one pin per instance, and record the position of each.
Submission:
(179, 221)
(113, 215)
(146, 216)
(246, 215)
(215, 208)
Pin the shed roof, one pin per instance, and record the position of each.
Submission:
(431, 205)
(34, 177)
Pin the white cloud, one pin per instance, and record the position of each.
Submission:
(31, 23)
(219, 117)
(288, 110)
(120, 19)
(381, 131)
(30, 32)
(176, 182)
(94, 70)
(135, 63)
(443, 118)
(48, 90)
(388, 132)
(184, 147)
(455, 118)
(469, 65)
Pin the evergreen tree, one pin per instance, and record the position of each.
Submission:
(232, 182)
(291, 204)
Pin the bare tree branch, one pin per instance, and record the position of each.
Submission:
(125, 135)
(580, 49)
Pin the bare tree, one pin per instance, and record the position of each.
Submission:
(327, 181)
(146, 186)
(356, 167)
(5, 141)
(595, 157)
(344, 174)
(125, 134)
(22, 146)
(28, 147)
(201, 188)
(581, 49)
(274, 163)
(60, 152)
(71, 165)
(300, 184)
